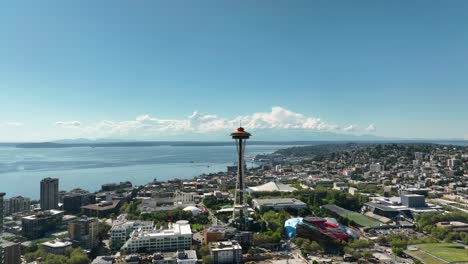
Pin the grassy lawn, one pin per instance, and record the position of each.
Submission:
(360, 219)
(447, 251)
(426, 258)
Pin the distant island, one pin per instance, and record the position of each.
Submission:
(163, 143)
(216, 143)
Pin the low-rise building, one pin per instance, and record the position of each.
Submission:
(121, 228)
(226, 252)
(406, 206)
(101, 209)
(272, 187)
(413, 200)
(132, 259)
(340, 186)
(11, 252)
(217, 233)
(104, 260)
(177, 237)
(179, 257)
(353, 191)
(73, 200)
(84, 232)
(186, 198)
(36, 225)
(455, 226)
(279, 203)
(116, 186)
(57, 246)
(16, 204)
(376, 167)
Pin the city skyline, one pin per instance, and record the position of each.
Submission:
(143, 71)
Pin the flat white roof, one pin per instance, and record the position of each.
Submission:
(43, 214)
(182, 228)
(57, 244)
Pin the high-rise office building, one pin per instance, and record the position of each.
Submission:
(1, 227)
(49, 193)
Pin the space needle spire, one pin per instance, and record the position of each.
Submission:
(240, 136)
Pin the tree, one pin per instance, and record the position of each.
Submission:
(268, 237)
(115, 246)
(112, 216)
(315, 246)
(208, 259)
(103, 229)
(32, 248)
(79, 259)
(306, 247)
(68, 251)
(201, 219)
(204, 251)
(366, 254)
(397, 251)
(299, 241)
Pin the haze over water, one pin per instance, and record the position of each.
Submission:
(88, 168)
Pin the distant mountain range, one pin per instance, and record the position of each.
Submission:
(88, 141)
(259, 137)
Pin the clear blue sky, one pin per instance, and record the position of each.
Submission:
(401, 66)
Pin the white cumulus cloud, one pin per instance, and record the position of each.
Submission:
(149, 126)
(370, 128)
(11, 124)
(68, 124)
(350, 128)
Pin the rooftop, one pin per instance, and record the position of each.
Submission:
(101, 207)
(42, 214)
(103, 260)
(272, 187)
(57, 243)
(181, 227)
(278, 201)
(225, 245)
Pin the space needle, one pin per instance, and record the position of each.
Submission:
(240, 136)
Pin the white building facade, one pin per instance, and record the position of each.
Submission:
(122, 228)
(177, 237)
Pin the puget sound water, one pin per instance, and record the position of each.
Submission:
(21, 169)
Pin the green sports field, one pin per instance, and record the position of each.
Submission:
(360, 219)
(440, 253)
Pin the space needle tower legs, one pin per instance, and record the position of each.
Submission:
(240, 136)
